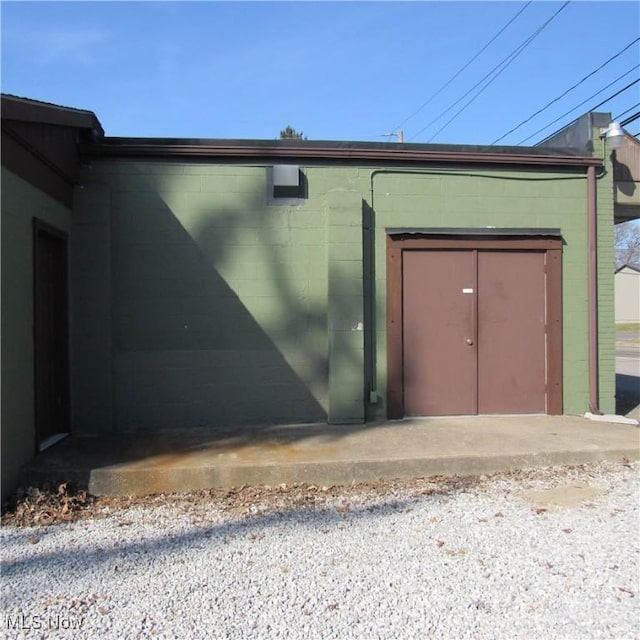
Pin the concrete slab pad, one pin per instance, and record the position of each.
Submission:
(330, 454)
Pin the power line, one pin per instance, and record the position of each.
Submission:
(637, 104)
(535, 133)
(546, 106)
(505, 62)
(630, 119)
(589, 110)
(514, 56)
(446, 84)
(617, 93)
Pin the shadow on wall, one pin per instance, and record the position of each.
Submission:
(624, 178)
(188, 352)
(220, 312)
(627, 394)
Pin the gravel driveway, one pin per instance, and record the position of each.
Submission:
(424, 559)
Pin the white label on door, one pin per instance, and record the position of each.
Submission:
(467, 291)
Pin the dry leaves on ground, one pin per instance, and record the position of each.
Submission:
(47, 505)
(63, 502)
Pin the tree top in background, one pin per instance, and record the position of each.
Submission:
(289, 132)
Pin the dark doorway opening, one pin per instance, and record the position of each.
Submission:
(51, 341)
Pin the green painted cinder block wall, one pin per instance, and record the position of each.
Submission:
(498, 199)
(218, 300)
(20, 204)
(196, 302)
(226, 309)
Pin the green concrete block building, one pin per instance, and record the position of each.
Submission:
(161, 284)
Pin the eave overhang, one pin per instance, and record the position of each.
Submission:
(373, 153)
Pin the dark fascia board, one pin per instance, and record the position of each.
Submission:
(308, 150)
(27, 110)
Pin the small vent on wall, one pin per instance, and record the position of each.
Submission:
(287, 184)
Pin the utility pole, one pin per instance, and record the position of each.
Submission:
(398, 134)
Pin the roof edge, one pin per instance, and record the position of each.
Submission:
(312, 150)
(28, 110)
(627, 266)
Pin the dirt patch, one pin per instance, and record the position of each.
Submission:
(564, 496)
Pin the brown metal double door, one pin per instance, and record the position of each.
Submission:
(473, 332)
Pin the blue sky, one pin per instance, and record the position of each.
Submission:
(335, 70)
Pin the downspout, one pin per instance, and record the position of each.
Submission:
(592, 296)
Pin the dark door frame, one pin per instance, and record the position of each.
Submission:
(399, 242)
(40, 229)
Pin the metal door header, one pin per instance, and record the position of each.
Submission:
(473, 231)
